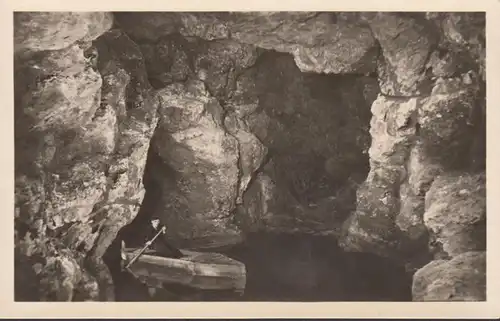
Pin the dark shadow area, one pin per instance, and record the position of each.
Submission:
(290, 267)
(299, 267)
(25, 279)
(318, 132)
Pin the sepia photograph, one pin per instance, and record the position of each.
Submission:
(249, 156)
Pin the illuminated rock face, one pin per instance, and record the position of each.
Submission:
(319, 42)
(437, 281)
(40, 31)
(250, 122)
(85, 115)
(427, 157)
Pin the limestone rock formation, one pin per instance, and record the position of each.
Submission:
(463, 37)
(456, 213)
(461, 279)
(319, 42)
(267, 100)
(392, 130)
(91, 122)
(406, 42)
(203, 138)
(39, 31)
(428, 139)
(422, 171)
(192, 141)
(223, 123)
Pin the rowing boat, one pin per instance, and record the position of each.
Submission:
(198, 270)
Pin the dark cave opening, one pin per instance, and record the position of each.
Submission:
(283, 266)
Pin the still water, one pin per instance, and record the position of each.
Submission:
(292, 267)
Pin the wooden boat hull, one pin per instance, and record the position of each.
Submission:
(199, 270)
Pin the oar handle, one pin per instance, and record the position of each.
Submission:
(148, 244)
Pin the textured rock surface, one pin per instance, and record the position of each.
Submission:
(463, 41)
(421, 171)
(219, 64)
(446, 121)
(392, 130)
(319, 42)
(264, 124)
(38, 31)
(192, 141)
(427, 126)
(406, 42)
(461, 279)
(455, 213)
(209, 154)
(92, 119)
(251, 152)
(274, 105)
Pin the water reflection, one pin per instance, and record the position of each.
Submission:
(285, 267)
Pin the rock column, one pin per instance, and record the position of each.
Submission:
(84, 118)
(427, 179)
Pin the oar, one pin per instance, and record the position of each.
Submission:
(148, 244)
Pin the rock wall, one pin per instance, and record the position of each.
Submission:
(427, 157)
(231, 109)
(85, 114)
(228, 123)
(206, 153)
